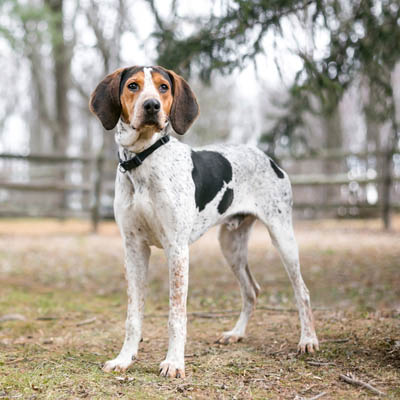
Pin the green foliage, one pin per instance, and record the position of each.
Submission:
(288, 129)
(364, 40)
(221, 43)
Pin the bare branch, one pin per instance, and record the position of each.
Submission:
(350, 378)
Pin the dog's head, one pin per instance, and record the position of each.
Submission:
(145, 98)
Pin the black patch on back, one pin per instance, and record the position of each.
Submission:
(210, 171)
(277, 170)
(226, 201)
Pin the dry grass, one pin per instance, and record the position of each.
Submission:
(57, 275)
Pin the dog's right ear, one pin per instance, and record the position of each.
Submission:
(105, 102)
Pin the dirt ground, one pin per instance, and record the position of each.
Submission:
(67, 288)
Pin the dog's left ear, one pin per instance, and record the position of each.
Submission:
(185, 108)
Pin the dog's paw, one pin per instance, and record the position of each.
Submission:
(229, 337)
(308, 345)
(118, 364)
(171, 369)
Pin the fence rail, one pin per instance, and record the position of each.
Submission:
(333, 154)
(46, 158)
(99, 183)
(46, 186)
(339, 179)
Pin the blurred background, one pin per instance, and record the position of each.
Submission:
(316, 84)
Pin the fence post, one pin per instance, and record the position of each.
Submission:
(98, 174)
(386, 187)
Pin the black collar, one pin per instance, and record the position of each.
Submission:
(137, 160)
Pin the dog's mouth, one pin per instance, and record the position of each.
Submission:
(151, 123)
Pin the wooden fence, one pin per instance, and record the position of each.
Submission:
(98, 182)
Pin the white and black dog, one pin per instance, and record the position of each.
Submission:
(168, 194)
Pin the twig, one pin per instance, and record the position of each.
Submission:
(17, 360)
(317, 396)
(353, 381)
(274, 353)
(335, 340)
(86, 321)
(210, 315)
(46, 318)
(308, 389)
(222, 313)
(12, 317)
(319, 364)
(199, 314)
(279, 309)
(237, 393)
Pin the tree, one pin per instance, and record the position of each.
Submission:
(41, 24)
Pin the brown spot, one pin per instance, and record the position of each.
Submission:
(177, 295)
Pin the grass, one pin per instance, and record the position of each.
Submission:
(57, 275)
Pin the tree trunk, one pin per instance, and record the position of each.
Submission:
(61, 65)
(333, 140)
(373, 143)
(61, 59)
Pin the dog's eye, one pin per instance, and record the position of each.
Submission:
(133, 86)
(163, 88)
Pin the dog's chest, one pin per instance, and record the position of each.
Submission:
(148, 213)
(161, 205)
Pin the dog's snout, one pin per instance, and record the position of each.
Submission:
(152, 106)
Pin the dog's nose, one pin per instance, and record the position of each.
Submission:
(152, 106)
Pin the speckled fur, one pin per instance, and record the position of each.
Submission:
(155, 206)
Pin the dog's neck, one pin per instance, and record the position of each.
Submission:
(131, 142)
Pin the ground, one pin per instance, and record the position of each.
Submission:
(68, 286)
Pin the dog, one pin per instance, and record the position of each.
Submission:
(168, 195)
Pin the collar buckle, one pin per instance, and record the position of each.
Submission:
(164, 139)
(137, 160)
(127, 165)
(121, 169)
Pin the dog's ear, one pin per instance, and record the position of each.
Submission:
(105, 102)
(185, 108)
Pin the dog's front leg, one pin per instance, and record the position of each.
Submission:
(136, 263)
(178, 261)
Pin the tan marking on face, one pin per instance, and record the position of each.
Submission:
(166, 97)
(129, 98)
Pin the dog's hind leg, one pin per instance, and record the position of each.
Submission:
(234, 247)
(282, 235)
